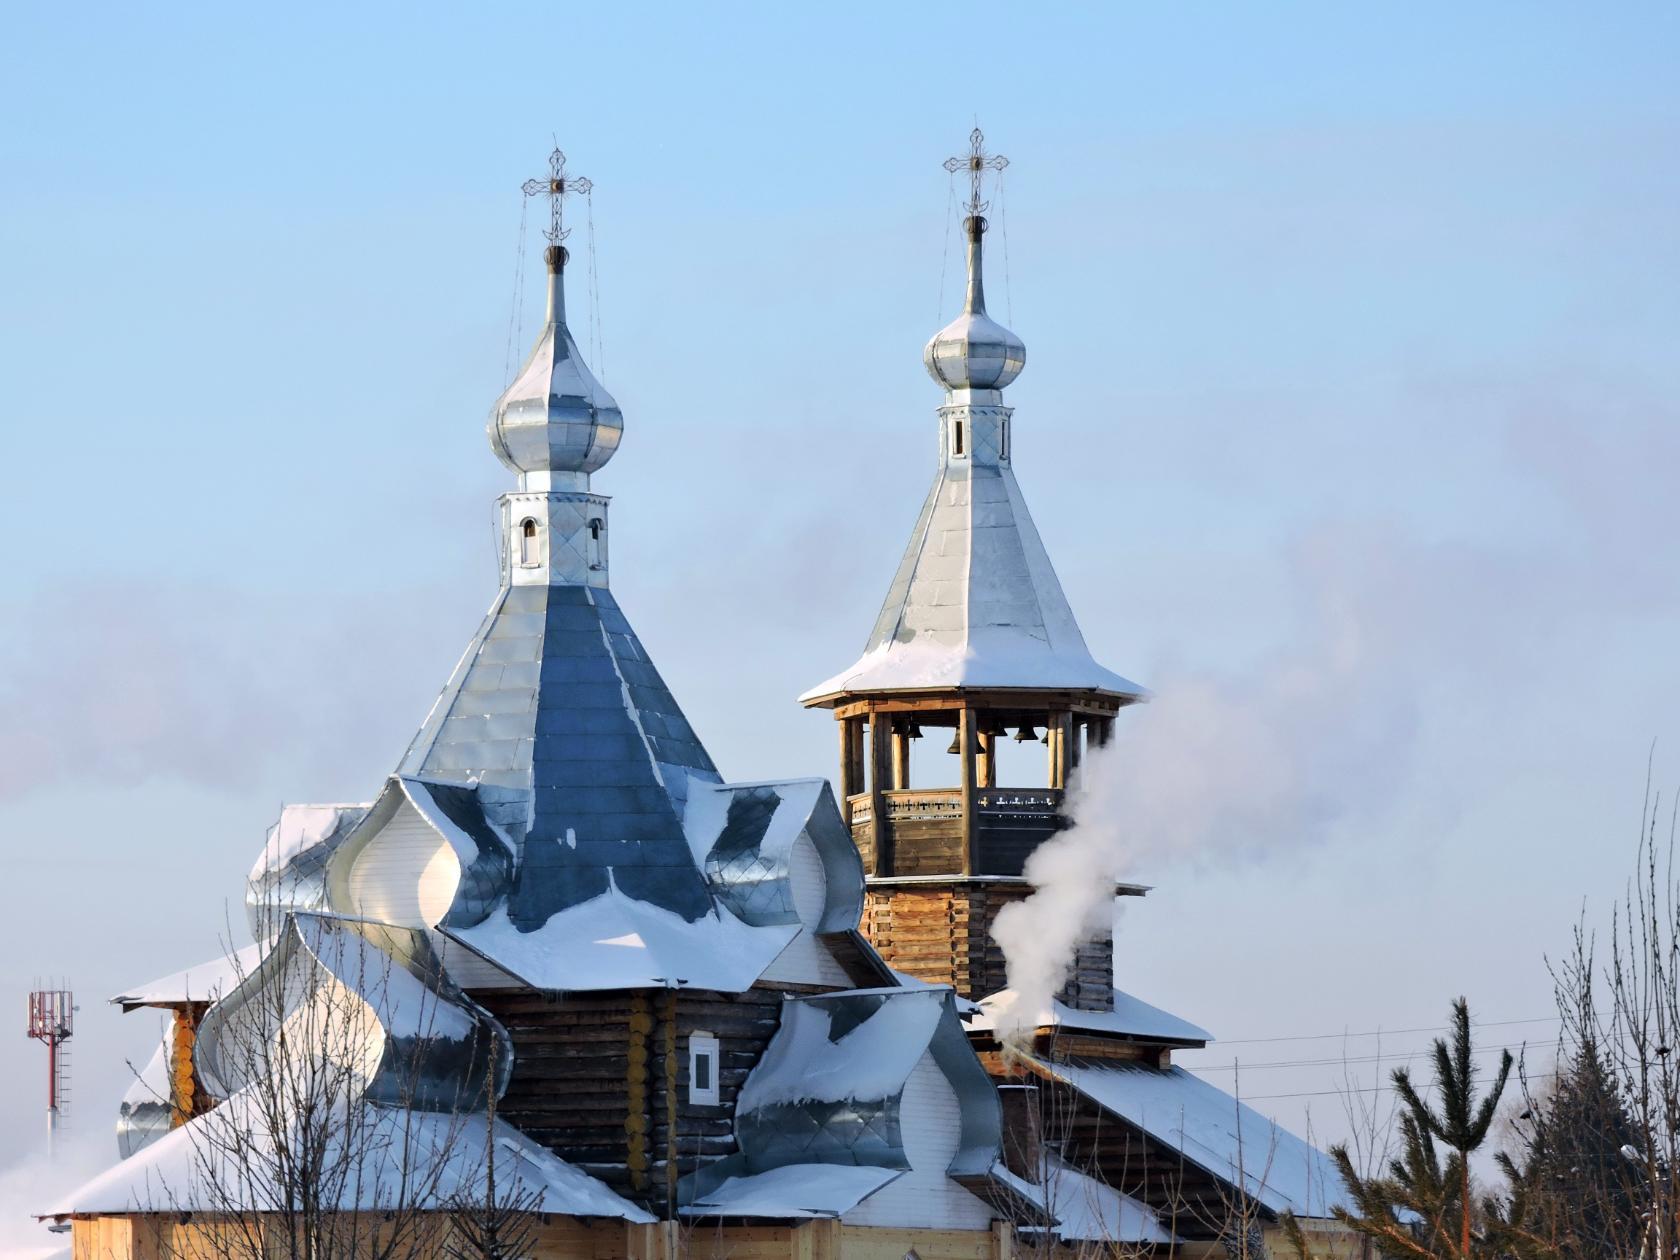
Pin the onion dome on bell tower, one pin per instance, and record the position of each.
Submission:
(974, 351)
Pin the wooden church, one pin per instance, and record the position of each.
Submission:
(558, 973)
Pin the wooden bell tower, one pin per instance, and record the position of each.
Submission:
(975, 637)
(942, 861)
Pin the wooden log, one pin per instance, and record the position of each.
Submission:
(966, 742)
(879, 737)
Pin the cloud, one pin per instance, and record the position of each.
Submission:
(122, 684)
(35, 1183)
(1230, 767)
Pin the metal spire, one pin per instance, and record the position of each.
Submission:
(557, 185)
(976, 162)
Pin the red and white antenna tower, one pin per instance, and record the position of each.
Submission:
(52, 1015)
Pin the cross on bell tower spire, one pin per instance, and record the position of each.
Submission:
(557, 186)
(976, 162)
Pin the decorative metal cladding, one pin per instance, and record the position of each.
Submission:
(145, 1113)
(751, 881)
(842, 867)
(749, 854)
(829, 1089)
(291, 873)
(487, 874)
(436, 1045)
(553, 538)
(460, 820)
(840, 1131)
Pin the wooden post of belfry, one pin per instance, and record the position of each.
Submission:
(848, 785)
(900, 758)
(985, 770)
(1057, 734)
(878, 770)
(1076, 740)
(966, 746)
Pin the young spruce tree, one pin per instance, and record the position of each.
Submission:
(1425, 1206)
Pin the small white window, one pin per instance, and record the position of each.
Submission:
(530, 554)
(956, 437)
(1003, 440)
(596, 524)
(703, 1069)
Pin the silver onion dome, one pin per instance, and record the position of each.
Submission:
(555, 417)
(974, 351)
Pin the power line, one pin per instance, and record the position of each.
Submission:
(1382, 1032)
(1374, 1089)
(1239, 1065)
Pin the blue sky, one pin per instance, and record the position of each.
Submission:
(1351, 401)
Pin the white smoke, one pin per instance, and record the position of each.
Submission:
(34, 1183)
(1225, 768)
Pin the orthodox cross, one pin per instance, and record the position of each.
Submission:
(976, 162)
(557, 185)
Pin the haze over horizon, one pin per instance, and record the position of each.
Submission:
(1350, 394)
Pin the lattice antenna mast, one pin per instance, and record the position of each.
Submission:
(52, 1015)
(556, 188)
(976, 162)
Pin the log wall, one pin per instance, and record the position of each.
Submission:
(941, 933)
(598, 1078)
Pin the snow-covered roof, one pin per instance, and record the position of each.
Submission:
(290, 872)
(300, 829)
(1085, 1209)
(793, 1191)
(1131, 1017)
(203, 982)
(975, 602)
(613, 941)
(375, 997)
(855, 1047)
(1211, 1129)
(192, 1169)
(738, 840)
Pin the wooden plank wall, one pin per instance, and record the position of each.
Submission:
(567, 1238)
(926, 846)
